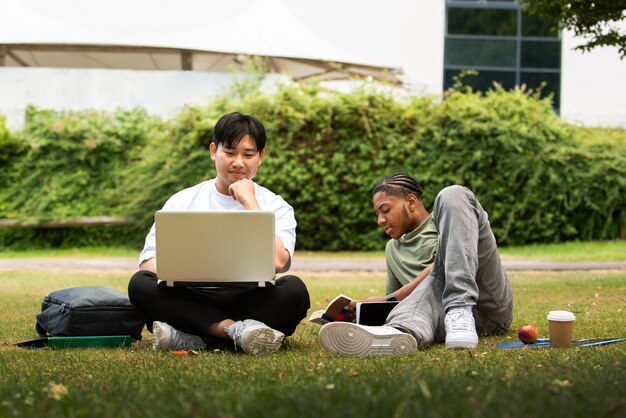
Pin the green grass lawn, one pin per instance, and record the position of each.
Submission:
(569, 251)
(84, 252)
(302, 380)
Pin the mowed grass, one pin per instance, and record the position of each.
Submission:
(569, 251)
(302, 380)
(614, 250)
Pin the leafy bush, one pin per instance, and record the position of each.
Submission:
(5, 144)
(69, 166)
(526, 167)
(326, 150)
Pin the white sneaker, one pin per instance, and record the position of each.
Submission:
(254, 337)
(461, 328)
(166, 337)
(350, 339)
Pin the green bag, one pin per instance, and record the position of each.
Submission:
(105, 341)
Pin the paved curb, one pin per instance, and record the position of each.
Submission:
(130, 264)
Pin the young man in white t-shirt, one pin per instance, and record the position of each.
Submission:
(257, 319)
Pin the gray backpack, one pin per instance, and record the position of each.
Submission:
(88, 311)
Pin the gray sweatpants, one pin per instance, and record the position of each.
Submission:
(467, 271)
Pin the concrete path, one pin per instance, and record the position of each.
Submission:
(330, 264)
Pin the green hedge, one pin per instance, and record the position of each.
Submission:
(325, 152)
(69, 164)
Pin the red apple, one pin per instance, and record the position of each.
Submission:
(527, 334)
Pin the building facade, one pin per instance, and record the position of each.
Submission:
(504, 45)
(432, 41)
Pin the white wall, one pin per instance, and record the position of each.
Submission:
(408, 34)
(395, 33)
(162, 93)
(593, 85)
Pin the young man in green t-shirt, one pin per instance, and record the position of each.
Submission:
(465, 291)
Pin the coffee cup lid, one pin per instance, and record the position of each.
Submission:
(561, 316)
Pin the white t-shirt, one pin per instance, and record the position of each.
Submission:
(205, 197)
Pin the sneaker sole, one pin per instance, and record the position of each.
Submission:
(457, 345)
(156, 336)
(263, 340)
(351, 340)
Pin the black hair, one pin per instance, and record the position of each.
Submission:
(233, 126)
(399, 184)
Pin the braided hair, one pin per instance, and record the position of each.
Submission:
(399, 184)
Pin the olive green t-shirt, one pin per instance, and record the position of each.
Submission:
(408, 255)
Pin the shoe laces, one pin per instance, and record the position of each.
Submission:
(237, 329)
(179, 339)
(460, 320)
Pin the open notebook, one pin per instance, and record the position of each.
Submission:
(230, 248)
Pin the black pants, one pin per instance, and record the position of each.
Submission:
(194, 310)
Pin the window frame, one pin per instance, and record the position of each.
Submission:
(518, 38)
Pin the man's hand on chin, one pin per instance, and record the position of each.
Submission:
(243, 192)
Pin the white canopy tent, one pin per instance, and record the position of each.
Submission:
(189, 35)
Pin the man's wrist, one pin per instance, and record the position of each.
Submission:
(391, 298)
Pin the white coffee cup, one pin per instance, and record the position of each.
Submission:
(561, 326)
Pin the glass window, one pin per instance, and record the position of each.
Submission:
(538, 54)
(464, 21)
(505, 44)
(483, 81)
(534, 26)
(534, 80)
(480, 52)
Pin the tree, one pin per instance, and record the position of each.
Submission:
(595, 20)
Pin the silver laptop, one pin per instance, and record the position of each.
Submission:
(231, 248)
